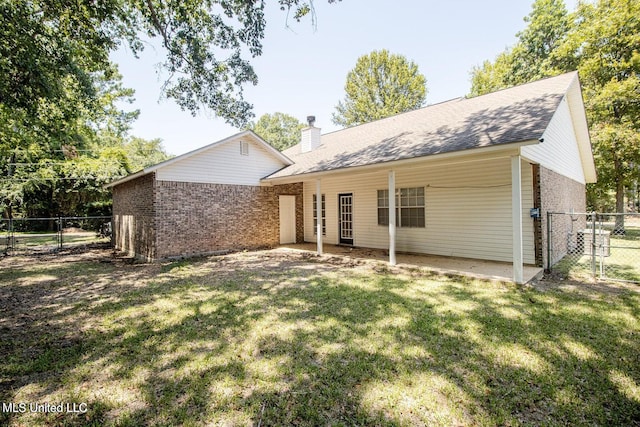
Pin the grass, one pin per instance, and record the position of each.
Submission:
(255, 339)
(622, 263)
(47, 241)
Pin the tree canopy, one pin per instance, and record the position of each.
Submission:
(61, 133)
(533, 57)
(380, 85)
(602, 41)
(50, 50)
(278, 129)
(56, 160)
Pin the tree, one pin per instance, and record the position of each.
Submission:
(491, 76)
(548, 27)
(605, 46)
(36, 153)
(381, 85)
(602, 41)
(71, 183)
(49, 175)
(61, 134)
(278, 129)
(53, 48)
(141, 153)
(532, 57)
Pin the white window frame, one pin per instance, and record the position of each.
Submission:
(406, 199)
(315, 215)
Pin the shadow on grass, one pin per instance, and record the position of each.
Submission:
(253, 340)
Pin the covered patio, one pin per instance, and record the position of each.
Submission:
(473, 268)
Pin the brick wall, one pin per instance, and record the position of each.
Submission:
(560, 194)
(133, 217)
(196, 218)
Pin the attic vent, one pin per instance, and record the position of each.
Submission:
(244, 148)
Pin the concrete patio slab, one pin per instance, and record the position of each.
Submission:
(474, 268)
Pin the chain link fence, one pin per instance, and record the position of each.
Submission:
(43, 235)
(594, 245)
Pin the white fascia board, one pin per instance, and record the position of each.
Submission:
(581, 128)
(126, 178)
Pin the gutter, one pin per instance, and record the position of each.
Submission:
(508, 149)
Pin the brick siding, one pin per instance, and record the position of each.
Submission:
(134, 217)
(560, 194)
(196, 218)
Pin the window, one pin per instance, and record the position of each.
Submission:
(244, 148)
(409, 207)
(315, 216)
(383, 208)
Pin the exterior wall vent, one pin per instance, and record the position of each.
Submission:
(244, 148)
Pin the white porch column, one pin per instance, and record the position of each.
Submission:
(516, 219)
(319, 216)
(392, 217)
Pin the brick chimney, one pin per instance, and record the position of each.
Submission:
(310, 138)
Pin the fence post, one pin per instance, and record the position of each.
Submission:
(601, 248)
(60, 232)
(593, 244)
(10, 237)
(549, 225)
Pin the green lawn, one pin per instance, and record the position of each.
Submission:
(269, 340)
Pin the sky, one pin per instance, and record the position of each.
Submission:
(303, 69)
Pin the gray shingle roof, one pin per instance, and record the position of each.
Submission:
(521, 113)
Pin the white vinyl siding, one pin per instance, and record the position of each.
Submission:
(559, 150)
(467, 209)
(223, 164)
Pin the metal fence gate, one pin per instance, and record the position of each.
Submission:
(42, 235)
(599, 245)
